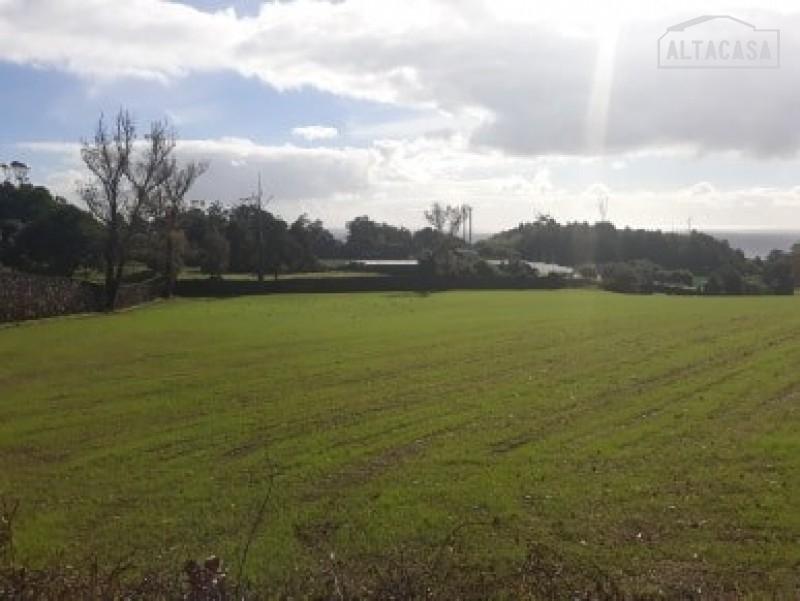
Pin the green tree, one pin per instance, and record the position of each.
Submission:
(778, 272)
(59, 242)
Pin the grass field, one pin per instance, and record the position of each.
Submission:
(658, 437)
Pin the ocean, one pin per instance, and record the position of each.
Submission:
(758, 243)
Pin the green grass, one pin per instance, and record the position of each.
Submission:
(656, 436)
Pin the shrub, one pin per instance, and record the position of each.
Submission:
(631, 277)
(725, 280)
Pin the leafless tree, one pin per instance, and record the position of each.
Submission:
(107, 157)
(20, 172)
(455, 216)
(16, 170)
(445, 219)
(437, 217)
(170, 204)
(149, 171)
(125, 184)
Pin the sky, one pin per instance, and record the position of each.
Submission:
(381, 107)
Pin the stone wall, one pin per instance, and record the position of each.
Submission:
(25, 296)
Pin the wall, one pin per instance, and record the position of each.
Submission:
(25, 296)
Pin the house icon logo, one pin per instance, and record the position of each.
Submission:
(719, 42)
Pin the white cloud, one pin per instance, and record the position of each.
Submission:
(701, 189)
(517, 110)
(533, 75)
(311, 133)
(396, 180)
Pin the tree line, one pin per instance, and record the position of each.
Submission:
(637, 260)
(137, 211)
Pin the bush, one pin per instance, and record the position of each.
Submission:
(214, 255)
(779, 273)
(725, 280)
(680, 277)
(631, 277)
(446, 262)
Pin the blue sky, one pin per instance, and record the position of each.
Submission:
(48, 104)
(379, 108)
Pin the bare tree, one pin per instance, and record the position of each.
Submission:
(107, 157)
(20, 172)
(445, 219)
(255, 201)
(125, 185)
(148, 172)
(437, 217)
(455, 216)
(171, 203)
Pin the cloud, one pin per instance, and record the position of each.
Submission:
(573, 77)
(701, 189)
(395, 180)
(311, 133)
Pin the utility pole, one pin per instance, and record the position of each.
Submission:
(602, 207)
(466, 223)
(255, 201)
(260, 233)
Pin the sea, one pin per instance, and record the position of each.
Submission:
(758, 243)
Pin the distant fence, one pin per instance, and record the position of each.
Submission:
(25, 296)
(217, 287)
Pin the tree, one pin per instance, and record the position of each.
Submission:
(214, 253)
(445, 219)
(124, 185)
(19, 171)
(455, 217)
(274, 247)
(58, 243)
(315, 242)
(170, 203)
(796, 262)
(19, 207)
(437, 217)
(427, 240)
(367, 239)
(778, 274)
(41, 233)
(725, 280)
(300, 253)
(633, 276)
(107, 157)
(579, 243)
